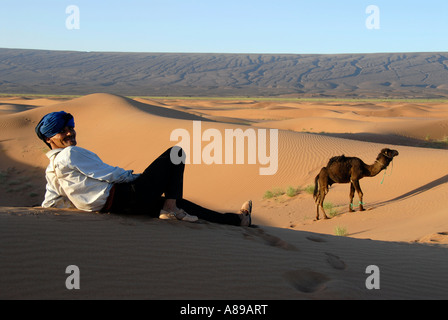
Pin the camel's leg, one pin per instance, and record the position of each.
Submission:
(319, 200)
(321, 205)
(317, 209)
(352, 195)
(323, 193)
(323, 190)
(360, 194)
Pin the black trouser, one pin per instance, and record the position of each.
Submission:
(144, 195)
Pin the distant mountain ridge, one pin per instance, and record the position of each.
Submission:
(379, 75)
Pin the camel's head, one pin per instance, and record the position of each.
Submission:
(389, 153)
(386, 156)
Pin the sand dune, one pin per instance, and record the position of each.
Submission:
(170, 260)
(288, 256)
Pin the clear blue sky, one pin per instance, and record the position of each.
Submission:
(227, 26)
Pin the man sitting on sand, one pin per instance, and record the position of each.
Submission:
(77, 177)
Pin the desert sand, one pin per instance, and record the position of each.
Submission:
(287, 254)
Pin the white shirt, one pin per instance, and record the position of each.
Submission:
(77, 177)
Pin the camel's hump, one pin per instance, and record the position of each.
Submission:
(337, 159)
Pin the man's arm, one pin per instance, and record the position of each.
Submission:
(54, 200)
(93, 167)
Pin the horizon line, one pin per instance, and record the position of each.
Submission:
(229, 53)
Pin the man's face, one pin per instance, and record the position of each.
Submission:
(65, 138)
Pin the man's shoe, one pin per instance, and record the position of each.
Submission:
(182, 216)
(245, 214)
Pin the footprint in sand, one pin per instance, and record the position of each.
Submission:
(335, 261)
(435, 238)
(254, 234)
(306, 281)
(316, 239)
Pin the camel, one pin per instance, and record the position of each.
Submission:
(342, 169)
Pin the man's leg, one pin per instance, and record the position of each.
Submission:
(162, 176)
(144, 194)
(209, 215)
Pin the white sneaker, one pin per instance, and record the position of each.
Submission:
(168, 215)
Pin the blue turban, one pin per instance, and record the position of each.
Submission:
(53, 123)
